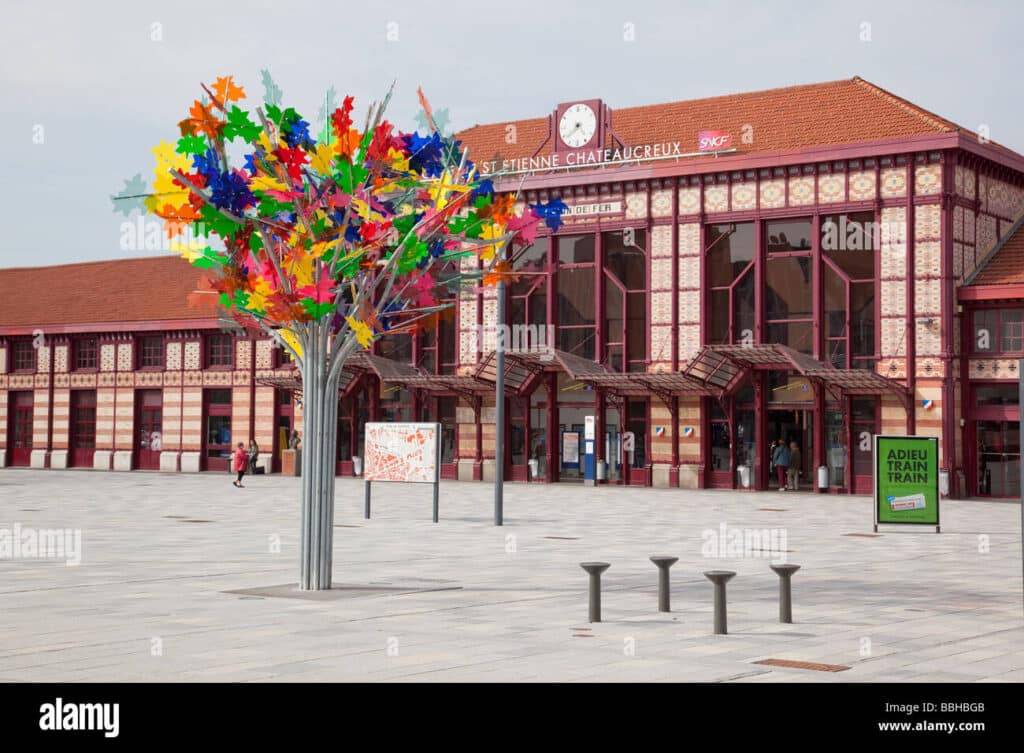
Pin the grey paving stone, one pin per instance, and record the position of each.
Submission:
(155, 598)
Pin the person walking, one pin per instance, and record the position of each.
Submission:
(793, 476)
(254, 453)
(780, 456)
(240, 464)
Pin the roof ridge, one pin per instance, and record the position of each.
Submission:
(164, 255)
(906, 105)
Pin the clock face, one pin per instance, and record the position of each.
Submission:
(577, 126)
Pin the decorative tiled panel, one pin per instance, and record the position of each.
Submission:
(689, 306)
(1003, 199)
(661, 308)
(661, 273)
(927, 259)
(993, 368)
(108, 356)
(124, 356)
(894, 297)
(661, 202)
(894, 251)
(243, 354)
(43, 359)
(148, 379)
(689, 342)
(894, 341)
(689, 200)
(689, 272)
(636, 205)
(958, 223)
(173, 356)
(716, 198)
(661, 344)
(927, 222)
(894, 182)
(862, 185)
(490, 310)
(929, 368)
(264, 351)
(60, 358)
(969, 227)
(689, 239)
(986, 235)
(744, 196)
(958, 262)
(661, 241)
(928, 336)
(216, 378)
(801, 191)
(831, 188)
(928, 179)
(191, 355)
(773, 194)
(927, 297)
(964, 182)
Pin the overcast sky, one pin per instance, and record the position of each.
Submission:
(100, 83)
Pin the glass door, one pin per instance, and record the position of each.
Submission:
(998, 458)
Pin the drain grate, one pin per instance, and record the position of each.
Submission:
(863, 535)
(773, 509)
(563, 538)
(195, 520)
(792, 664)
(342, 525)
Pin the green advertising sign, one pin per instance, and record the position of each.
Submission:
(906, 480)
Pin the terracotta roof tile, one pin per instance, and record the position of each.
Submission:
(121, 290)
(793, 117)
(1005, 263)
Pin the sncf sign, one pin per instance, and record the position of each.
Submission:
(710, 141)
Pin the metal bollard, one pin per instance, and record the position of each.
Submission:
(663, 563)
(785, 572)
(594, 569)
(720, 578)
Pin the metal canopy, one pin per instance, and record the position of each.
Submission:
(724, 368)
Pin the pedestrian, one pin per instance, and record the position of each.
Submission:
(254, 453)
(795, 464)
(241, 461)
(780, 456)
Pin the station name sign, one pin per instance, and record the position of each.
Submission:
(584, 158)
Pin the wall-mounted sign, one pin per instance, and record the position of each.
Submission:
(712, 141)
(584, 158)
(589, 210)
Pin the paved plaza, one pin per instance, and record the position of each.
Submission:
(184, 578)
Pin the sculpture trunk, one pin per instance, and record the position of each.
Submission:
(319, 438)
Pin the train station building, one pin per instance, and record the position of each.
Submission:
(815, 264)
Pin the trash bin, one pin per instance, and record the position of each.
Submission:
(534, 466)
(357, 465)
(822, 477)
(743, 472)
(602, 470)
(943, 483)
